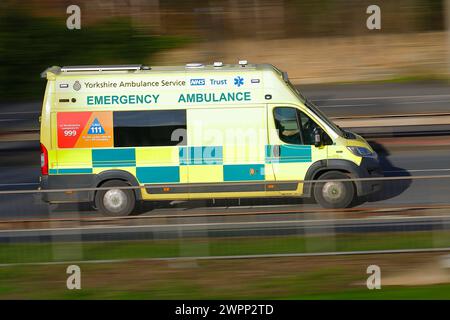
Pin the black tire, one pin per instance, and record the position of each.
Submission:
(338, 194)
(121, 201)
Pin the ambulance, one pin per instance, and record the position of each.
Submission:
(116, 135)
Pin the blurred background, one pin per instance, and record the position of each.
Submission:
(390, 85)
(316, 41)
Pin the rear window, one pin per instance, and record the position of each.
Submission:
(149, 128)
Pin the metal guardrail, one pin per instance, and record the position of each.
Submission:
(199, 241)
(201, 236)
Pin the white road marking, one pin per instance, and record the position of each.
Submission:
(418, 170)
(385, 97)
(348, 105)
(374, 104)
(421, 102)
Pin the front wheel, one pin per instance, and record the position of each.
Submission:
(115, 202)
(334, 194)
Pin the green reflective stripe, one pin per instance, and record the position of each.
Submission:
(114, 157)
(115, 164)
(243, 172)
(201, 155)
(70, 170)
(289, 154)
(161, 174)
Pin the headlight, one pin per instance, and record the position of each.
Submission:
(362, 152)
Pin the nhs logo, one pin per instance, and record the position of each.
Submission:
(197, 82)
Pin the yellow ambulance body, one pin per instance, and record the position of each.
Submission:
(192, 132)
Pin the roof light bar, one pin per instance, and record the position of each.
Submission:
(129, 67)
(194, 65)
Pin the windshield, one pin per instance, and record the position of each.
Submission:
(323, 117)
(316, 111)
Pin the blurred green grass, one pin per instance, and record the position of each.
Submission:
(145, 249)
(119, 273)
(30, 44)
(285, 278)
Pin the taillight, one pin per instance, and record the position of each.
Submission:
(44, 160)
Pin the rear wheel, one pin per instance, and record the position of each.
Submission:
(115, 202)
(334, 194)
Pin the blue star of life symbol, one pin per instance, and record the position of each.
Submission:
(238, 81)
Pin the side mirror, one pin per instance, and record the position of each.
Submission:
(318, 137)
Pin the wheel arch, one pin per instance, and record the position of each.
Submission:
(321, 166)
(122, 175)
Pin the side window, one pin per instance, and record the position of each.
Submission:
(308, 126)
(295, 127)
(148, 128)
(287, 125)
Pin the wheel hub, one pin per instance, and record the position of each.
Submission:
(333, 191)
(115, 200)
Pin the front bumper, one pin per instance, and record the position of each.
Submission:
(369, 168)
